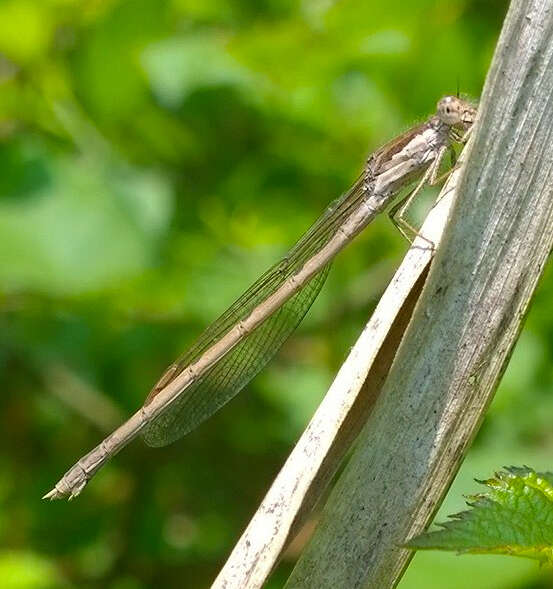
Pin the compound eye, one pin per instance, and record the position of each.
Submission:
(449, 110)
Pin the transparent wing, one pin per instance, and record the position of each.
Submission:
(226, 378)
(233, 372)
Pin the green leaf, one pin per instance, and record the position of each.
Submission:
(514, 517)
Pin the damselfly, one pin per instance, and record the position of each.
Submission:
(233, 349)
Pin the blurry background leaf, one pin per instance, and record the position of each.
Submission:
(20, 570)
(176, 67)
(70, 226)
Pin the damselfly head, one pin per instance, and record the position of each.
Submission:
(455, 111)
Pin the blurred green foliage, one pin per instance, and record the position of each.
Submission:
(155, 157)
